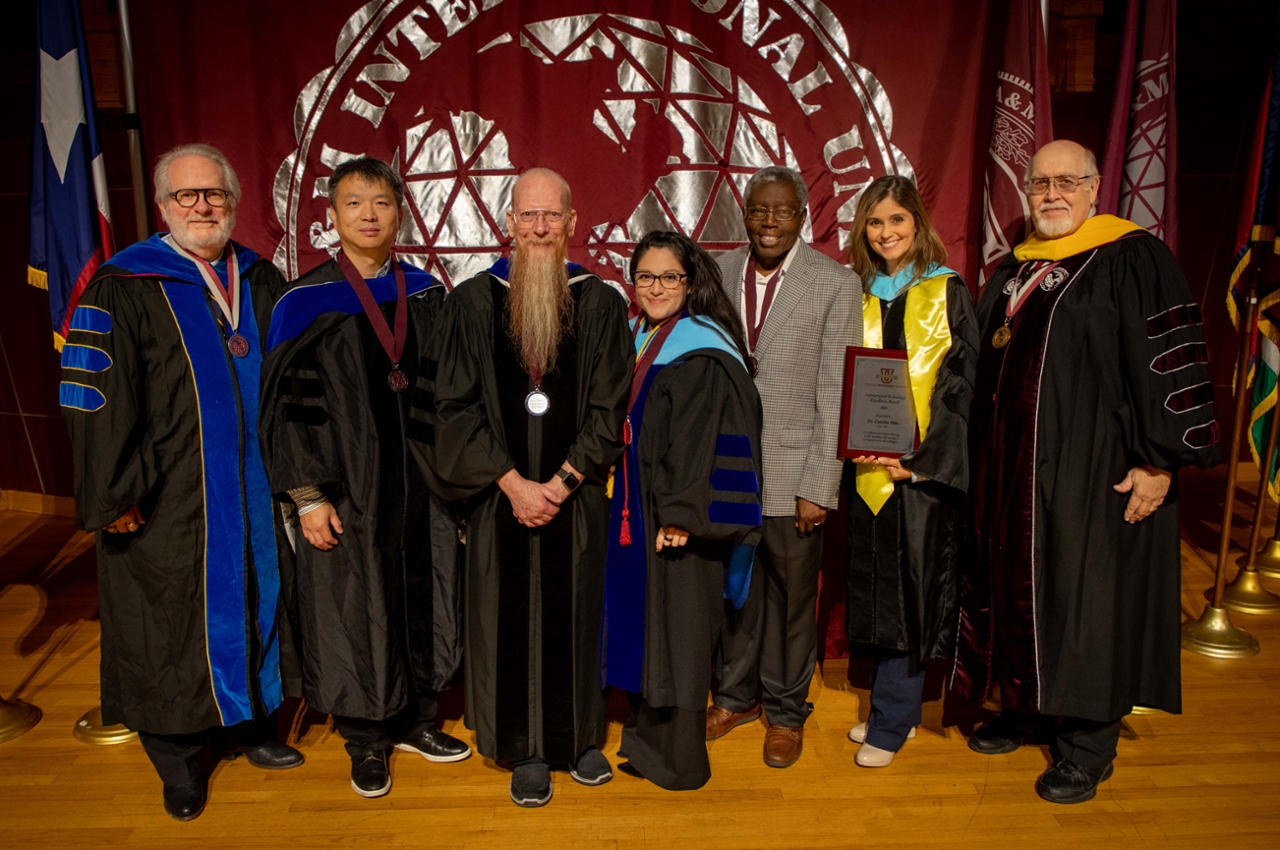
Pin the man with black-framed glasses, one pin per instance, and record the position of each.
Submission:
(801, 309)
(1092, 390)
(529, 371)
(160, 377)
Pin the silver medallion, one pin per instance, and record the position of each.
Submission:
(537, 403)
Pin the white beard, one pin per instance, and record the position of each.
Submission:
(193, 243)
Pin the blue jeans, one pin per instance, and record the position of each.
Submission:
(897, 690)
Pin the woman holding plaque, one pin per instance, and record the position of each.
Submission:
(686, 508)
(904, 512)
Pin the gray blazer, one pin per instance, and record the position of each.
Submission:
(815, 314)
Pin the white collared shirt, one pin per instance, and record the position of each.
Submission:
(762, 284)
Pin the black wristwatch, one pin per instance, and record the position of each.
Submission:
(570, 480)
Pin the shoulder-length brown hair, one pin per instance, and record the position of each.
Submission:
(927, 250)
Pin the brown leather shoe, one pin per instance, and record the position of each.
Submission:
(782, 745)
(720, 720)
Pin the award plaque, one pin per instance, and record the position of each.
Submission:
(877, 413)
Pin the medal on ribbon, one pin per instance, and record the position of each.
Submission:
(393, 345)
(227, 298)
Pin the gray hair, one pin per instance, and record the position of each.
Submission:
(160, 177)
(370, 169)
(778, 174)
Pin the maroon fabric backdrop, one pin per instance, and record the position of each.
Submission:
(656, 112)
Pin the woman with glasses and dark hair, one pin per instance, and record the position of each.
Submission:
(686, 507)
(904, 513)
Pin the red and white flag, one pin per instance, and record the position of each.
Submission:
(1141, 186)
(1022, 122)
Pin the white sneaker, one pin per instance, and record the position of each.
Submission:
(858, 734)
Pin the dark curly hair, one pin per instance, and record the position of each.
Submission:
(704, 294)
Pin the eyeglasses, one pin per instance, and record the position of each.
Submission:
(670, 280)
(553, 217)
(1064, 183)
(779, 213)
(188, 197)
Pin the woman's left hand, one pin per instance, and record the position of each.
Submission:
(671, 536)
(894, 468)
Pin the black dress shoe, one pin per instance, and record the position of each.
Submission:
(271, 755)
(434, 745)
(184, 802)
(370, 776)
(1002, 735)
(1069, 782)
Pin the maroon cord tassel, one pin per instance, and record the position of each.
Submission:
(625, 537)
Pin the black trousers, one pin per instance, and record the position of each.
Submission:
(1090, 743)
(365, 736)
(189, 757)
(771, 645)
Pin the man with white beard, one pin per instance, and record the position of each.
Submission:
(1092, 390)
(160, 377)
(529, 371)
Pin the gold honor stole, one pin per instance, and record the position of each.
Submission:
(1095, 232)
(928, 336)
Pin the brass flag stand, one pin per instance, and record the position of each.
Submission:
(1213, 634)
(1246, 593)
(89, 730)
(1267, 561)
(16, 718)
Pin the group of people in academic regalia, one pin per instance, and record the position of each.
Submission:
(360, 489)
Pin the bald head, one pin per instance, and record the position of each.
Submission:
(1061, 183)
(540, 181)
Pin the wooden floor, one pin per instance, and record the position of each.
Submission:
(1207, 778)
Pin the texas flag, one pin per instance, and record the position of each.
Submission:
(70, 219)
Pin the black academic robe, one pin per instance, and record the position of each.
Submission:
(381, 606)
(533, 596)
(162, 416)
(695, 463)
(1067, 607)
(903, 561)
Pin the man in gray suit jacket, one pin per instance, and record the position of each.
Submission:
(801, 309)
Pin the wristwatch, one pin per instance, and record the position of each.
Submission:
(570, 480)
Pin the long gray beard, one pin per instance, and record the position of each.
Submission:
(539, 308)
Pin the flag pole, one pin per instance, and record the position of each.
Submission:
(1213, 634)
(133, 126)
(1245, 593)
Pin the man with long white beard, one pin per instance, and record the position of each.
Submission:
(159, 388)
(1092, 390)
(530, 370)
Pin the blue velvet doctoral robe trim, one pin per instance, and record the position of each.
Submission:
(154, 258)
(302, 305)
(235, 485)
(627, 567)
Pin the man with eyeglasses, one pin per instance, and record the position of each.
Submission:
(801, 309)
(529, 372)
(342, 402)
(1092, 390)
(160, 377)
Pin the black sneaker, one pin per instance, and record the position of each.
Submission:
(1002, 735)
(370, 776)
(592, 768)
(1068, 782)
(531, 784)
(184, 802)
(271, 755)
(434, 745)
